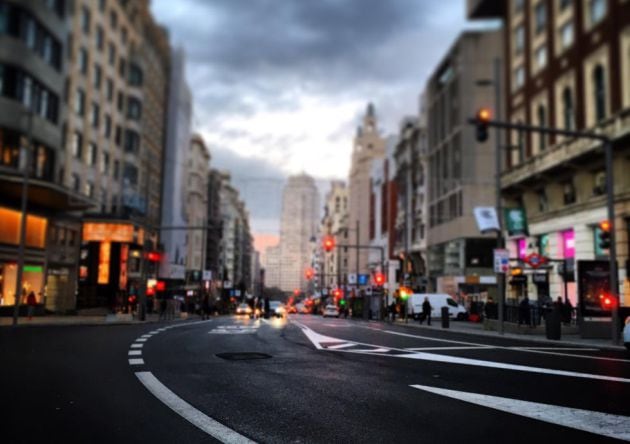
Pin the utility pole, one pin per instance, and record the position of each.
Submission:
(358, 258)
(497, 157)
(24, 210)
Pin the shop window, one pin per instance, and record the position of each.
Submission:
(36, 228)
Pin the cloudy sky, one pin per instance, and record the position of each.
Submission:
(279, 85)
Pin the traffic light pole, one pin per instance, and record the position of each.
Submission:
(497, 141)
(610, 203)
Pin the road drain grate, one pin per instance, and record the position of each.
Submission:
(243, 356)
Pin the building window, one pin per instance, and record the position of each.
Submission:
(83, 60)
(96, 111)
(543, 245)
(92, 154)
(541, 57)
(565, 4)
(567, 102)
(116, 171)
(542, 121)
(134, 108)
(85, 20)
(132, 141)
(99, 38)
(110, 90)
(599, 183)
(98, 76)
(102, 4)
(135, 75)
(541, 16)
(543, 203)
(120, 101)
(77, 144)
(104, 163)
(79, 102)
(599, 89)
(108, 126)
(123, 35)
(566, 35)
(568, 192)
(518, 5)
(130, 174)
(597, 10)
(519, 77)
(89, 189)
(76, 182)
(519, 39)
(111, 54)
(113, 19)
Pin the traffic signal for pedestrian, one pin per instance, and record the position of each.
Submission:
(604, 234)
(483, 117)
(379, 279)
(329, 243)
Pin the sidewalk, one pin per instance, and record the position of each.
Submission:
(120, 319)
(528, 334)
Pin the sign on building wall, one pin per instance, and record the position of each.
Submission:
(487, 219)
(516, 222)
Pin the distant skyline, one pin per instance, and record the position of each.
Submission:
(279, 87)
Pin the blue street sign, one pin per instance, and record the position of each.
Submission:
(364, 279)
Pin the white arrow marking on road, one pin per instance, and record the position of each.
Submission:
(605, 424)
(316, 339)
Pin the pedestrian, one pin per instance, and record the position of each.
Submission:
(523, 311)
(205, 307)
(31, 302)
(426, 311)
(567, 311)
(392, 311)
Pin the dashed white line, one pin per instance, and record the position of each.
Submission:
(188, 412)
(136, 361)
(137, 345)
(134, 353)
(141, 339)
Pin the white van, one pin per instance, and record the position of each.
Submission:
(437, 301)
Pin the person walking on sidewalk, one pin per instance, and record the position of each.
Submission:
(523, 311)
(31, 302)
(426, 311)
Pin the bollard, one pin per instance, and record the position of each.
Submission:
(445, 317)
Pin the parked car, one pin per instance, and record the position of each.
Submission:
(437, 301)
(243, 309)
(626, 334)
(331, 310)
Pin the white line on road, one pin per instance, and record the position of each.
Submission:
(136, 361)
(146, 336)
(555, 348)
(188, 412)
(141, 339)
(605, 424)
(338, 346)
(472, 347)
(372, 350)
(134, 353)
(137, 345)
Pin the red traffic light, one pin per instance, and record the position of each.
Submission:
(309, 273)
(337, 293)
(379, 278)
(329, 243)
(153, 256)
(296, 292)
(160, 286)
(605, 225)
(607, 301)
(484, 115)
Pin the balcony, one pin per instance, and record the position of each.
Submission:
(567, 154)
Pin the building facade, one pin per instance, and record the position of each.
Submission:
(332, 267)
(298, 224)
(178, 132)
(214, 232)
(567, 66)
(368, 145)
(33, 70)
(461, 170)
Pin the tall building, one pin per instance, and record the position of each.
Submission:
(334, 264)
(567, 65)
(272, 266)
(113, 153)
(412, 203)
(178, 129)
(368, 145)
(33, 69)
(214, 223)
(196, 205)
(383, 206)
(300, 217)
(460, 169)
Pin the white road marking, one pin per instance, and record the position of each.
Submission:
(317, 339)
(234, 329)
(555, 348)
(428, 338)
(137, 345)
(136, 361)
(472, 347)
(374, 350)
(154, 332)
(134, 353)
(141, 339)
(146, 336)
(572, 355)
(188, 412)
(338, 346)
(605, 424)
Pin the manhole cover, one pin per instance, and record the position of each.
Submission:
(243, 356)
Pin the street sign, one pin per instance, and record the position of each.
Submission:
(207, 275)
(364, 279)
(501, 260)
(352, 278)
(535, 260)
(227, 284)
(486, 218)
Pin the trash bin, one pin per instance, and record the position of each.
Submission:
(553, 327)
(445, 318)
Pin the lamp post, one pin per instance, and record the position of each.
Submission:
(25, 178)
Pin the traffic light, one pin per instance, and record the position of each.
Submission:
(296, 292)
(309, 273)
(483, 117)
(379, 279)
(404, 293)
(604, 234)
(153, 256)
(337, 293)
(329, 243)
(607, 302)
(342, 302)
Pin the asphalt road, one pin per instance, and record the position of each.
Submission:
(303, 380)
